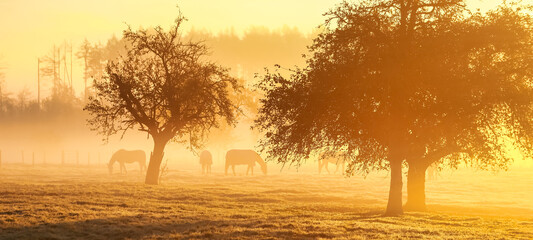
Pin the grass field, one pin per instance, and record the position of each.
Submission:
(51, 202)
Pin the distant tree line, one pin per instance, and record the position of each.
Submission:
(24, 108)
(245, 55)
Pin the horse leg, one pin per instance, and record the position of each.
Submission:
(124, 166)
(252, 167)
(233, 168)
(209, 168)
(248, 170)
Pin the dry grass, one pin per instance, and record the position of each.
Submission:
(77, 203)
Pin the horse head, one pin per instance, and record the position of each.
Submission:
(262, 163)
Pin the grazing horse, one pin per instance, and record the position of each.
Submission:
(324, 160)
(244, 157)
(206, 160)
(124, 156)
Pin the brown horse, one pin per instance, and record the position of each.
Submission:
(206, 160)
(244, 157)
(324, 160)
(124, 156)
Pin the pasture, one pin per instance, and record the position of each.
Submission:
(53, 202)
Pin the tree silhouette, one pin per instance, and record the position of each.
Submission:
(83, 53)
(395, 81)
(165, 87)
(477, 73)
(95, 58)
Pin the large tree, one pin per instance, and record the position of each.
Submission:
(165, 87)
(476, 107)
(399, 81)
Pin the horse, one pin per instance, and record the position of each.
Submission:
(244, 157)
(324, 160)
(206, 160)
(124, 156)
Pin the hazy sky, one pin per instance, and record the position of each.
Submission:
(29, 28)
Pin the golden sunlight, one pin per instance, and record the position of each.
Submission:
(247, 119)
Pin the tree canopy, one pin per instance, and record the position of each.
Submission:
(165, 87)
(415, 81)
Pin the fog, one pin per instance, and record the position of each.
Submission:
(317, 120)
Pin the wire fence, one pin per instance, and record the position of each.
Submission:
(61, 157)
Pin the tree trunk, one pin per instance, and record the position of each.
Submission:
(152, 174)
(394, 206)
(416, 187)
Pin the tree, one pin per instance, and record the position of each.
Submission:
(395, 81)
(50, 68)
(96, 56)
(164, 87)
(477, 73)
(84, 53)
(62, 102)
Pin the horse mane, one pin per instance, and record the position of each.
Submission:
(113, 157)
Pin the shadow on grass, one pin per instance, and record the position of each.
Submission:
(129, 227)
(142, 227)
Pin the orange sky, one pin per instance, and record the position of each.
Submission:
(29, 28)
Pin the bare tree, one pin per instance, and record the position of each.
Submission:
(165, 87)
(83, 53)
